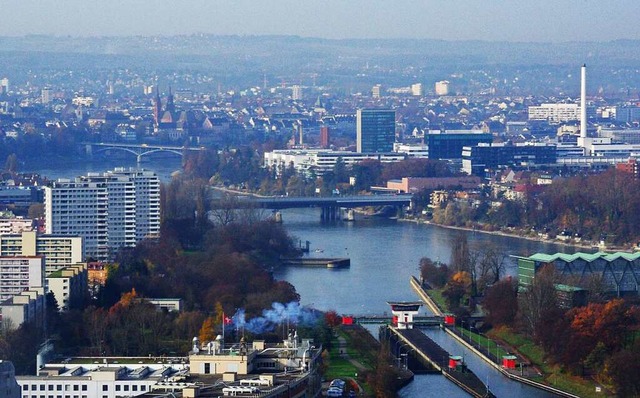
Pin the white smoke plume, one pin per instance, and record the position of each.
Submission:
(278, 314)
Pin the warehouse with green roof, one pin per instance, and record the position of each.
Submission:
(620, 272)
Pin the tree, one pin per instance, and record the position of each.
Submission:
(501, 303)
(207, 331)
(623, 368)
(538, 298)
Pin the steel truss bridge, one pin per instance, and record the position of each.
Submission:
(138, 150)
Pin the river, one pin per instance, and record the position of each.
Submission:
(384, 254)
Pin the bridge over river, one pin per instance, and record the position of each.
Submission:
(330, 205)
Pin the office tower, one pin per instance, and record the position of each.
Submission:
(109, 211)
(324, 136)
(376, 130)
(442, 87)
(296, 93)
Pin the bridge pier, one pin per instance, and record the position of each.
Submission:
(138, 159)
(88, 149)
(329, 213)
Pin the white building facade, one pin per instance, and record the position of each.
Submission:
(109, 211)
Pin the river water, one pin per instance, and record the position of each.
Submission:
(384, 254)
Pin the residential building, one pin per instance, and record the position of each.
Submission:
(296, 93)
(22, 289)
(449, 144)
(69, 285)
(375, 130)
(442, 87)
(416, 89)
(16, 225)
(28, 306)
(111, 210)
(58, 250)
(555, 112)
(168, 304)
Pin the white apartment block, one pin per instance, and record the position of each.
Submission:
(69, 285)
(15, 225)
(58, 250)
(18, 274)
(22, 289)
(555, 112)
(321, 161)
(110, 210)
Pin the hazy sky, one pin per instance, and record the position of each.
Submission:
(501, 20)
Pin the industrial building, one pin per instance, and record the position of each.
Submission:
(620, 272)
(448, 144)
(212, 369)
(478, 160)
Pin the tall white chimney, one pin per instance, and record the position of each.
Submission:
(583, 102)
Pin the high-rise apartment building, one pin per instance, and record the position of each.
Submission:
(296, 92)
(19, 274)
(442, 87)
(4, 85)
(376, 130)
(416, 89)
(110, 210)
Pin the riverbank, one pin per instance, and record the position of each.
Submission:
(590, 247)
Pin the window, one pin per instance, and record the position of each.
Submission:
(207, 368)
(75, 387)
(143, 388)
(84, 387)
(105, 387)
(134, 388)
(117, 387)
(50, 387)
(126, 387)
(25, 387)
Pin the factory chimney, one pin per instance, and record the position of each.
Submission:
(583, 102)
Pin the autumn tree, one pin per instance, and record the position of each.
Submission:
(501, 302)
(437, 274)
(537, 299)
(208, 330)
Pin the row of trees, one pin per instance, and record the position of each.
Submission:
(602, 206)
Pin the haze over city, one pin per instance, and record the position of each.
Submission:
(376, 199)
(503, 20)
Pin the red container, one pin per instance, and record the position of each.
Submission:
(394, 320)
(509, 362)
(449, 320)
(347, 320)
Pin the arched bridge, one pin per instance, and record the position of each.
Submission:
(329, 204)
(139, 150)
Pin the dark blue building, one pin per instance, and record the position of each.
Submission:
(376, 130)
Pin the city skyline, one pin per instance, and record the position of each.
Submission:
(546, 21)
